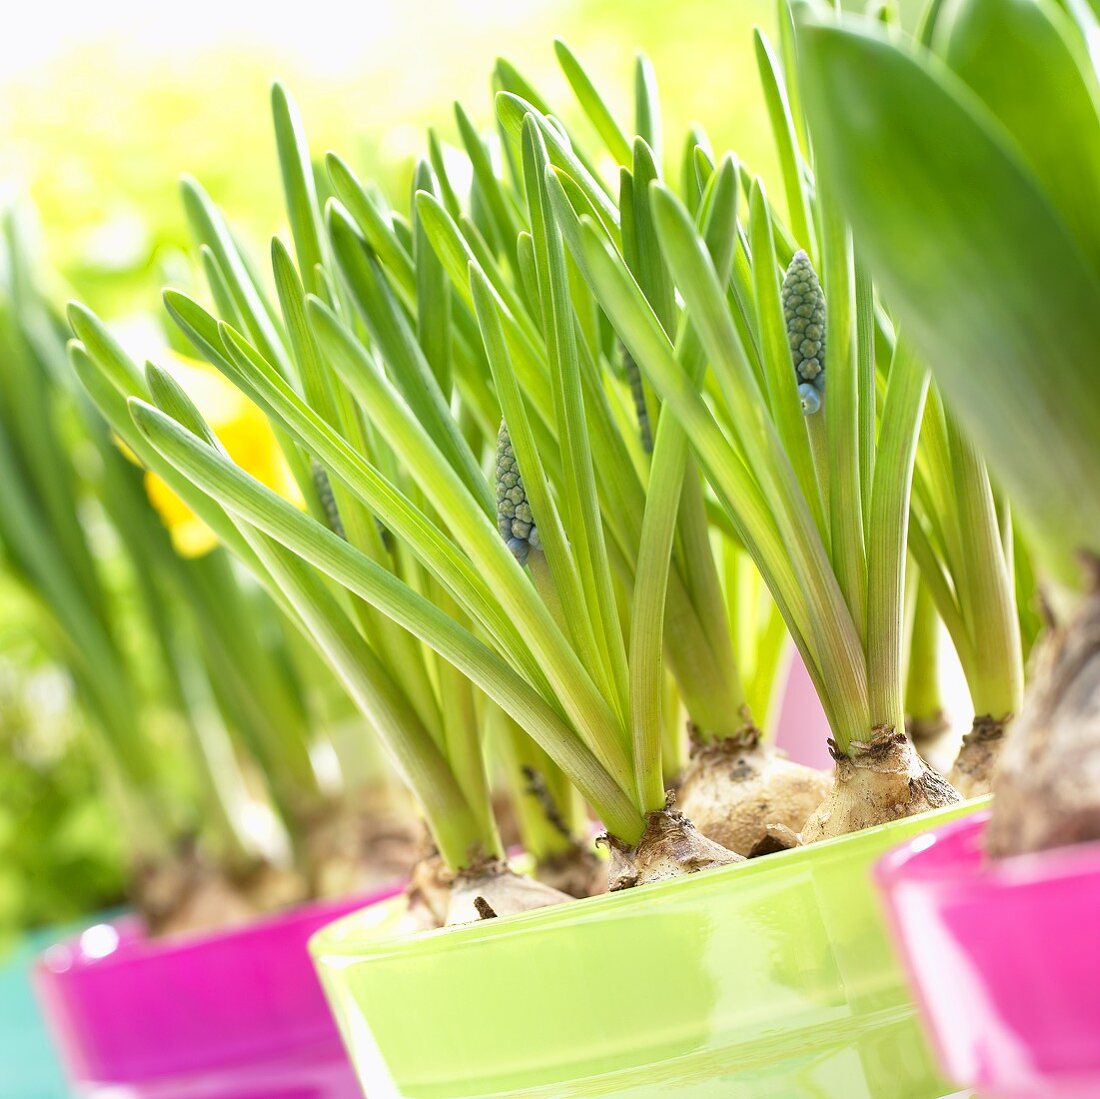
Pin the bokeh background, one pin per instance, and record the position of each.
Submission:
(103, 106)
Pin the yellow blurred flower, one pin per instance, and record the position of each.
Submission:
(245, 433)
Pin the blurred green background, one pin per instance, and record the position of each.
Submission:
(101, 112)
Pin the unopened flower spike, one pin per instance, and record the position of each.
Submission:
(514, 518)
(634, 378)
(328, 500)
(804, 314)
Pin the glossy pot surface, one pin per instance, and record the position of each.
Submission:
(235, 1014)
(1005, 958)
(769, 978)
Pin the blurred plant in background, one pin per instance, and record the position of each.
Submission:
(59, 855)
(99, 154)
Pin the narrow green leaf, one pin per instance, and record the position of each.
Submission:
(887, 534)
(279, 520)
(783, 130)
(1004, 320)
(647, 105)
(592, 103)
(298, 186)
(502, 215)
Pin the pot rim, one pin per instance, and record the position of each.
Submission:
(68, 956)
(348, 937)
(950, 856)
(230, 998)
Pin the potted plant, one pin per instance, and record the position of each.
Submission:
(994, 183)
(203, 742)
(537, 560)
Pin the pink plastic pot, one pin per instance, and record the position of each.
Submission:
(803, 731)
(1005, 959)
(237, 1014)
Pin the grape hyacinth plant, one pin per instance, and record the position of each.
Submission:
(963, 173)
(820, 498)
(571, 472)
(575, 709)
(217, 727)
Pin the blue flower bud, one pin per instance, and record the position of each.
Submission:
(804, 314)
(637, 391)
(514, 519)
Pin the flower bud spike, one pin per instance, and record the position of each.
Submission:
(811, 399)
(514, 518)
(804, 314)
(637, 391)
(327, 499)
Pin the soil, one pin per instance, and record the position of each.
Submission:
(350, 849)
(579, 871)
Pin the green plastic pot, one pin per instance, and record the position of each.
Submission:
(769, 978)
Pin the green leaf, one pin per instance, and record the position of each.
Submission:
(843, 411)
(887, 530)
(512, 111)
(513, 599)
(433, 295)
(298, 186)
(373, 225)
(783, 130)
(581, 500)
(837, 649)
(209, 228)
(279, 520)
(1004, 319)
(404, 360)
(647, 105)
(502, 214)
(781, 380)
(1026, 62)
(592, 103)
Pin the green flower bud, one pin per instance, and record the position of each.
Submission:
(328, 501)
(634, 378)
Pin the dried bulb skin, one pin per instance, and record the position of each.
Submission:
(735, 789)
(976, 763)
(670, 847)
(189, 895)
(882, 780)
(1048, 778)
(428, 894)
(353, 848)
(489, 888)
